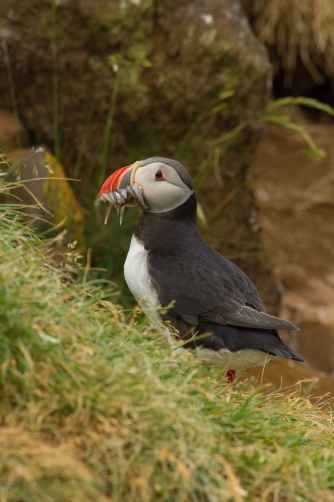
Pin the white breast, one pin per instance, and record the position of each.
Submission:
(137, 276)
(138, 279)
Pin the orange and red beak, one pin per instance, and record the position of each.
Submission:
(120, 189)
(119, 179)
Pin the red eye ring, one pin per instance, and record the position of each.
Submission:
(159, 175)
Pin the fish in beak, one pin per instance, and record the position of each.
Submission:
(120, 189)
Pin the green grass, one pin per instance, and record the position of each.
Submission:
(93, 408)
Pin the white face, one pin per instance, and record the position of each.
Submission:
(163, 188)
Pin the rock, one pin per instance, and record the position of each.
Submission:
(114, 82)
(290, 376)
(311, 308)
(12, 133)
(196, 52)
(295, 198)
(47, 196)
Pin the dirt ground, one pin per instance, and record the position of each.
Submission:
(295, 199)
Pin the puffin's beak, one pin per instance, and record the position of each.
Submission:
(118, 180)
(120, 189)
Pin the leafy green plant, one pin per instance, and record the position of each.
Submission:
(271, 115)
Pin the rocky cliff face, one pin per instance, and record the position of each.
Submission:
(103, 83)
(294, 195)
(172, 63)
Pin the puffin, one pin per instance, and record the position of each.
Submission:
(188, 289)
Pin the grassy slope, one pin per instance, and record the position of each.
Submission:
(92, 409)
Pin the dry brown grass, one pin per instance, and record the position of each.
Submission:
(297, 28)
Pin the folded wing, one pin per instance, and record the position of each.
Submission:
(205, 286)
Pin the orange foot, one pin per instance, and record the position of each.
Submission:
(230, 376)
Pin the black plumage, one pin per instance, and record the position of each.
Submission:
(212, 296)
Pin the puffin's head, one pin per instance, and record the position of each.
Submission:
(156, 185)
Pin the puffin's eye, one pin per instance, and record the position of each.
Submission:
(159, 175)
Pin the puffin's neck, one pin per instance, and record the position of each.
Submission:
(170, 229)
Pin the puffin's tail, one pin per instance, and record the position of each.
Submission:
(280, 349)
(236, 338)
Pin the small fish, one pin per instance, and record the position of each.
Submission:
(121, 213)
(109, 206)
(120, 197)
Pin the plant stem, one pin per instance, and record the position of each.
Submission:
(55, 82)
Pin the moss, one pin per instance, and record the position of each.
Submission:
(62, 202)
